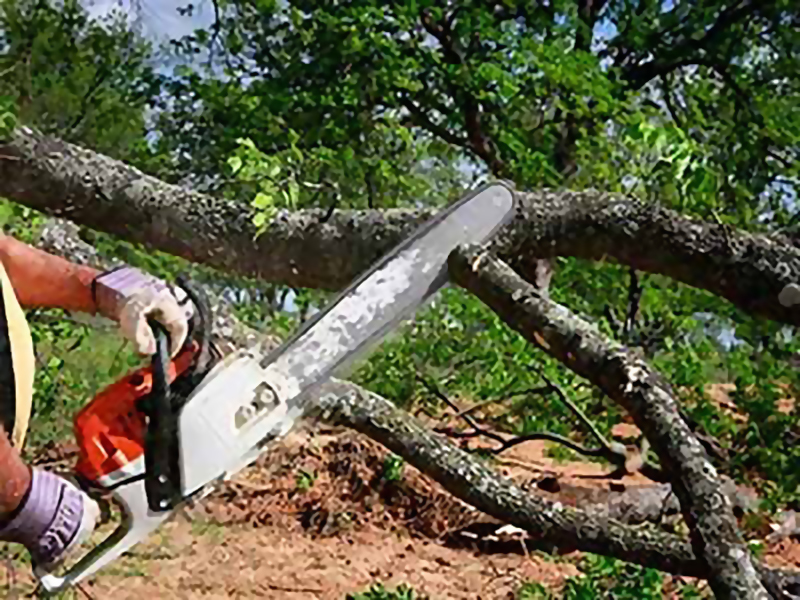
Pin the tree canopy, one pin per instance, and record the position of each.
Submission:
(291, 112)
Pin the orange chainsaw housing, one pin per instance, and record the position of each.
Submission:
(110, 430)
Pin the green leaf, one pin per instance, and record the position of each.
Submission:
(263, 200)
(235, 163)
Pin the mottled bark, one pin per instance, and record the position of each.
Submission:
(64, 180)
(750, 270)
(629, 380)
(551, 524)
(465, 476)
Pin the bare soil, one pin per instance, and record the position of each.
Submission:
(319, 517)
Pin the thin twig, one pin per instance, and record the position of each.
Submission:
(505, 444)
(282, 588)
(474, 407)
(469, 420)
(550, 437)
(634, 296)
(577, 412)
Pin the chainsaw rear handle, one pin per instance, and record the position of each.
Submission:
(138, 522)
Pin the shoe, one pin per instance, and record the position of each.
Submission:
(53, 520)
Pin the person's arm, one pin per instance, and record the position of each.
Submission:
(128, 295)
(42, 280)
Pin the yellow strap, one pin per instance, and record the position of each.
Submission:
(22, 358)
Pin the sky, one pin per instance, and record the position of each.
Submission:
(159, 19)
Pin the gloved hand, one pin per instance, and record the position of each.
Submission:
(130, 297)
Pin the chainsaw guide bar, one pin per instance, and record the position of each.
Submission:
(164, 436)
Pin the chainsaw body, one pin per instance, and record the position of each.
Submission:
(165, 435)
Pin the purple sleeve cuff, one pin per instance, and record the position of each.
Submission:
(49, 519)
(113, 288)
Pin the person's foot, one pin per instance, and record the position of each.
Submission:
(53, 519)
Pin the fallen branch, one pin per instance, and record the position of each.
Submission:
(552, 526)
(557, 527)
(628, 380)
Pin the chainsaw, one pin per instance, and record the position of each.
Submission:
(164, 436)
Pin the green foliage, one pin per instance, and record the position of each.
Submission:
(608, 578)
(80, 79)
(338, 75)
(304, 481)
(465, 351)
(393, 468)
(603, 577)
(379, 592)
(533, 590)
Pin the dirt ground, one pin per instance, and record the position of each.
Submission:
(322, 516)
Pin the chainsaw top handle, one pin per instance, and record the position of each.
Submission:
(160, 360)
(162, 468)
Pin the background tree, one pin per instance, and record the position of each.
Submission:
(302, 105)
(693, 106)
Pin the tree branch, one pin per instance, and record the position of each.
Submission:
(642, 392)
(424, 121)
(551, 524)
(465, 476)
(62, 179)
(748, 269)
(479, 142)
(634, 296)
(693, 48)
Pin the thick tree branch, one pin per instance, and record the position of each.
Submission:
(65, 180)
(465, 476)
(750, 270)
(551, 524)
(642, 392)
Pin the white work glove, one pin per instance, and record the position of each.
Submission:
(130, 296)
